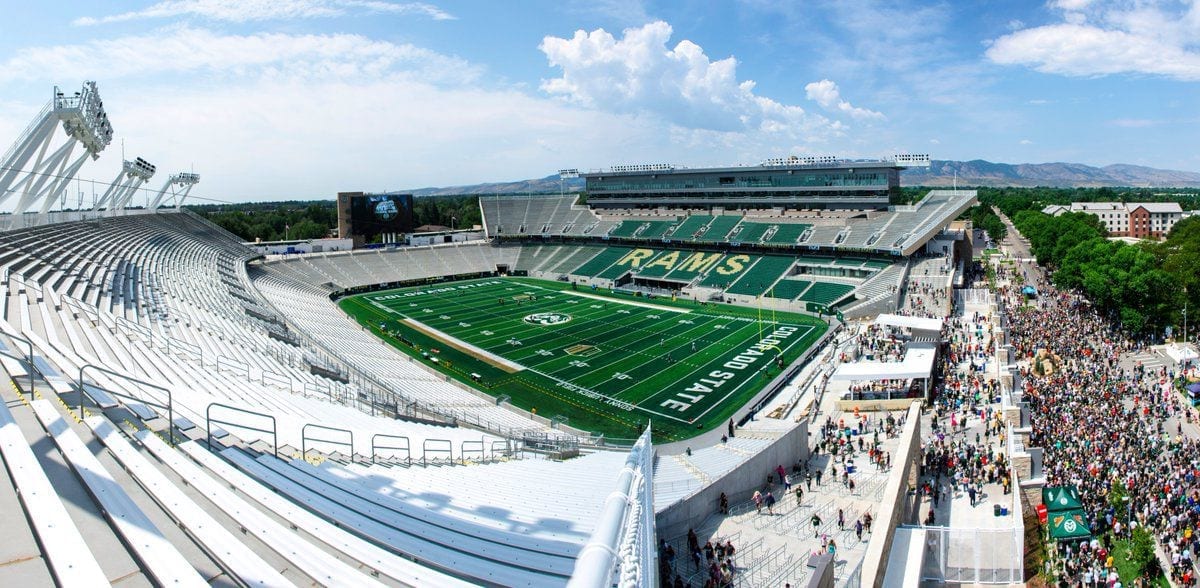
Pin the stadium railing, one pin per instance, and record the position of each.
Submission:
(623, 544)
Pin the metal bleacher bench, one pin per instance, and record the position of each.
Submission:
(155, 553)
(217, 541)
(429, 546)
(313, 561)
(68, 556)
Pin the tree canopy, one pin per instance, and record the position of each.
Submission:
(1140, 285)
(276, 221)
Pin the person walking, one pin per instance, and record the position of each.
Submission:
(816, 525)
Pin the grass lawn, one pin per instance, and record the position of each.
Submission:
(604, 362)
(1126, 568)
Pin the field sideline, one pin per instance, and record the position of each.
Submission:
(607, 362)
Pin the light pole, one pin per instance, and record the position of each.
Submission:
(563, 175)
(452, 219)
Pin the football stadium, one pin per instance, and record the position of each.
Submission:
(558, 397)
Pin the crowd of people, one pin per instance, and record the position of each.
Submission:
(715, 559)
(881, 343)
(1105, 429)
(925, 294)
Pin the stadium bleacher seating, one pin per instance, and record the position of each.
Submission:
(175, 331)
(750, 232)
(360, 268)
(719, 228)
(826, 293)
(761, 276)
(902, 228)
(162, 313)
(656, 229)
(601, 261)
(786, 289)
(691, 227)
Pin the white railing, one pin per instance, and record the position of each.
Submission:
(974, 556)
(623, 546)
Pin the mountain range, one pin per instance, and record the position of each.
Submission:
(976, 172)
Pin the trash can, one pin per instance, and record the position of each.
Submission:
(1004, 511)
(996, 509)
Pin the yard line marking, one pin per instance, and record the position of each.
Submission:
(628, 302)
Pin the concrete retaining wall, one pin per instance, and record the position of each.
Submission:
(738, 485)
(897, 506)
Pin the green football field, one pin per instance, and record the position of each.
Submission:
(607, 362)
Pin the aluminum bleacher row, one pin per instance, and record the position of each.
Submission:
(898, 229)
(334, 271)
(158, 319)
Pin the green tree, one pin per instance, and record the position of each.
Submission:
(1141, 551)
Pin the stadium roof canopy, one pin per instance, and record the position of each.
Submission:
(910, 322)
(917, 363)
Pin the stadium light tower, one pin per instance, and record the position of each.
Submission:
(133, 174)
(184, 181)
(85, 123)
(566, 174)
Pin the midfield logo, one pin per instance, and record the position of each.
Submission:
(547, 319)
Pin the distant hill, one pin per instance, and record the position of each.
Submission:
(1059, 175)
(546, 185)
(941, 172)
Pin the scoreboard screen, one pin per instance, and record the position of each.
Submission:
(374, 214)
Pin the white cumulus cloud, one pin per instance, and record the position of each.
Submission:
(640, 73)
(1099, 38)
(826, 94)
(255, 10)
(186, 50)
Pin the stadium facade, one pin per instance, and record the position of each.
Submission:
(787, 183)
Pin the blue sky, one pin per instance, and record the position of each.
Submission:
(271, 99)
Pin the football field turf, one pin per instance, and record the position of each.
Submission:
(607, 361)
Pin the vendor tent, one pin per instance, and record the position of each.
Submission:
(1060, 498)
(1069, 524)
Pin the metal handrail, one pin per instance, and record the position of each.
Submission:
(208, 421)
(170, 397)
(304, 439)
(462, 450)
(407, 446)
(30, 360)
(425, 449)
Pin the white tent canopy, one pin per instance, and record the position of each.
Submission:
(910, 322)
(918, 363)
